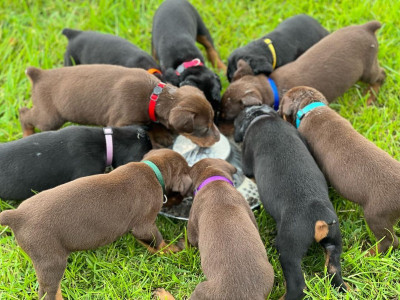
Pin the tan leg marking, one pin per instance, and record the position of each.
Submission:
(212, 54)
(321, 230)
(163, 295)
(59, 294)
(163, 246)
(373, 91)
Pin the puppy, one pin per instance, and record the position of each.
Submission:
(332, 66)
(283, 45)
(222, 225)
(90, 47)
(176, 27)
(48, 159)
(109, 95)
(93, 211)
(293, 191)
(354, 166)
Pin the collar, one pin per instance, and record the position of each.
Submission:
(272, 50)
(188, 64)
(156, 171)
(211, 179)
(305, 110)
(275, 92)
(108, 132)
(154, 70)
(153, 100)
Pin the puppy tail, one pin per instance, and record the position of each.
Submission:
(70, 33)
(373, 26)
(33, 73)
(7, 217)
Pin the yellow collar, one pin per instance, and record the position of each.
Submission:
(272, 49)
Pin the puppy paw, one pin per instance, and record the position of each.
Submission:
(162, 294)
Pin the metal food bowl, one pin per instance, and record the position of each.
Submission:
(224, 149)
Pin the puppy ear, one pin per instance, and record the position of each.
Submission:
(171, 77)
(228, 168)
(243, 69)
(183, 185)
(286, 110)
(261, 65)
(249, 100)
(181, 120)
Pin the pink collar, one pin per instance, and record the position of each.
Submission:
(188, 64)
(108, 132)
(211, 179)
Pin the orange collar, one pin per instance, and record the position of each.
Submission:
(154, 70)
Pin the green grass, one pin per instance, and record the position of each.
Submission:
(30, 35)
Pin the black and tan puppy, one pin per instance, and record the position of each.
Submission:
(354, 166)
(93, 211)
(284, 44)
(91, 47)
(108, 95)
(293, 191)
(331, 66)
(222, 225)
(48, 159)
(176, 27)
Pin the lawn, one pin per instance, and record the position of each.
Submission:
(30, 35)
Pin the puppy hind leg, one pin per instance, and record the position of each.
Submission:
(292, 247)
(212, 54)
(375, 77)
(382, 226)
(49, 272)
(162, 294)
(39, 118)
(332, 245)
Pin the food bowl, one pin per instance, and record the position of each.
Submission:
(224, 149)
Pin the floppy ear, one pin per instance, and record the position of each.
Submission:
(286, 110)
(228, 168)
(261, 65)
(181, 120)
(183, 185)
(242, 69)
(249, 100)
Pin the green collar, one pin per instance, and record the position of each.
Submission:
(156, 171)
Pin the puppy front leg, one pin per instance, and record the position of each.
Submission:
(151, 238)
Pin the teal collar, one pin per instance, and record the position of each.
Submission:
(156, 171)
(306, 109)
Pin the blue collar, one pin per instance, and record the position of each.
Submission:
(276, 93)
(306, 109)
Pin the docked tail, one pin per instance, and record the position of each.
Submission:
(33, 73)
(7, 217)
(373, 26)
(70, 33)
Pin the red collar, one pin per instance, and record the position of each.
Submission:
(153, 100)
(188, 64)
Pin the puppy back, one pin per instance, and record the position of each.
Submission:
(33, 73)
(373, 26)
(70, 33)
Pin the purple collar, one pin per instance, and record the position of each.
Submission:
(211, 179)
(108, 132)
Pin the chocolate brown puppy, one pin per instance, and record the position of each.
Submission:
(108, 95)
(354, 166)
(331, 66)
(222, 225)
(93, 211)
